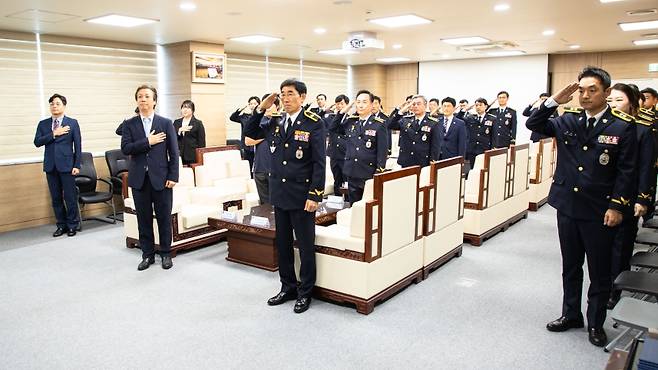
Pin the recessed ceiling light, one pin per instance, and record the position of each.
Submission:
(575, 46)
(646, 42)
(255, 39)
(506, 53)
(548, 33)
(337, 52)
(635, 26)
(475, 40)
(393, 60)
(397, 46)
(120, 20)
(641, 12)
(400, 21)
(501, 7)
(320, 30)
(187, 6)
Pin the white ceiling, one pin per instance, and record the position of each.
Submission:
(585, 22)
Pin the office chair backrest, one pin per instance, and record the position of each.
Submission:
(86, 179)
(117, 162)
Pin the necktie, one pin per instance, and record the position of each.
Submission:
(445, 124)
(147, 125)
(590, 124)
(288, 124)
(55, 124)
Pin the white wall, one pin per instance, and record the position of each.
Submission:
(524, 77)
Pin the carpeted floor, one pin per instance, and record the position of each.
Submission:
(80, 303)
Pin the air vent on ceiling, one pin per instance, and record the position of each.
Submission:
(42, 16)
(640, 12)
(490, 47)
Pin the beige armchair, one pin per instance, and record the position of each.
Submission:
(542, 165)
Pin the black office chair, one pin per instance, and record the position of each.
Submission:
(117, 163)
(86, 182)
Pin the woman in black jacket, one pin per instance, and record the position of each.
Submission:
(191, 134)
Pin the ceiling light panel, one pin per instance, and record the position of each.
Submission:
(400, 21)
(120, 20)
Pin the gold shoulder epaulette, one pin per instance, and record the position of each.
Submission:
(432, 118)
(643, 122)
(377, 119)
(353, 116)
(645, 117)
(648, 112)
(621, 115)
(576, 110)
(276, 115)
(314, 117)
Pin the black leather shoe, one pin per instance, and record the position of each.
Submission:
(597, 337)
(166, 262)
(612, 302)
(71, 232)
(302, 304)
(564, 324)
(146, 262)
(282, 297)
(59, 232)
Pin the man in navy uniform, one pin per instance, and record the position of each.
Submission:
(322, 109)
(366, 143)
(377, 111)
(592, 188)
(479, 127)
(535, 136)
(504, 131)
(296, 140)
(336, 146)
(420, 134)
(455, 137)
(463, 109)
(150, 141)
(61, 163)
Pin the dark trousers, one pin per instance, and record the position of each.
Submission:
(337, 170)
(355, 187)
(248, 154)
(580, 239)
(262, 181)
(147, 200)
(303, 223)
(63, 191)
(623, 248)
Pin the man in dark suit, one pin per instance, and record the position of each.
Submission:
(463, 109)
(535, 136)
(150, 141)
(191, 133)
(504, 131)
(61, 162)
(421, 135)
(296, 141)
(455, 137)
(336, 146)
(592, 188)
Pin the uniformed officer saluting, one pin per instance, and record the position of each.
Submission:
(592, 188)
(504, 131)
(366, 143)
(296, 141)
(479, 126)
(420, 134)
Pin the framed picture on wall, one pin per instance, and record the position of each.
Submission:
(208, 68)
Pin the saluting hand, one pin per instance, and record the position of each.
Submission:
(267, 102)
(310, 206)
(612, 218)
(156, 138)
(565, 95)
(347, 107)
(405, 106)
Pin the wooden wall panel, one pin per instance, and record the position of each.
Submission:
(401, 81)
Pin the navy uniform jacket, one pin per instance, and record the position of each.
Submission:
(242, 119)
(337, 143)
(504, 132)
(421, 142)
(594, 172)
(160, 160)
(479, 132)
(62, 153)
(646, 158)
(297, 157)
(455, 140)
(367, 145)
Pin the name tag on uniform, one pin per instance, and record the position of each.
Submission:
(371, 132)
(488, 123)
(508, 115)
(302, 135)
(605, 139)
(425, 129)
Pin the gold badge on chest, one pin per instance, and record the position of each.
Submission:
(368, 144)
(299, 154)
(424, 138)
(604, 159)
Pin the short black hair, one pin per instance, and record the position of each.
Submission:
(409, 97)
(482, 100)
(147, 87)
(646, 90)
(598, 73)
(319, 95)
(342, 97)
(257, 99)
(463, 101)
(377, 98)
(544, 95)
(57, 96)
(449, 100)
(298, 85)
(188, 103)
(370, 95)
(435, 100)
(503, 92)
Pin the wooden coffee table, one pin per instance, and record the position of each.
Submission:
(254, 245)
